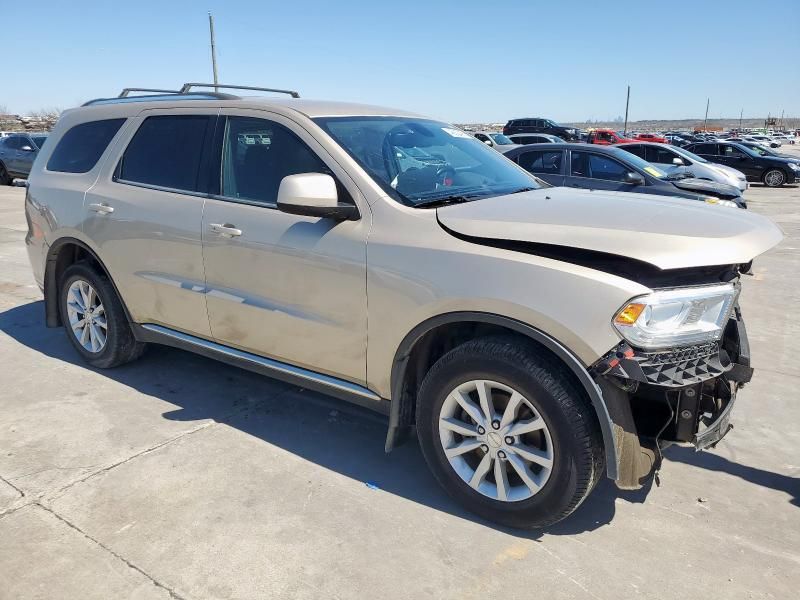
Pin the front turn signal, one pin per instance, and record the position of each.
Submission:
(629, 314)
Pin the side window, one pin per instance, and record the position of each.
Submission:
(730, 151)
(634, 149)
(166, 152)
(660, 155)
(481, 137)
(257, 154)
(541, 161)
(580, 166)
(704, 149)
(14, 142)
(606, 168)
(81, 147)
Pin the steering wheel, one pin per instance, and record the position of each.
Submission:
(445, 175)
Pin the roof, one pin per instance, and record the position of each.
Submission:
(310, 108)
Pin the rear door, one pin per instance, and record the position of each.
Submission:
(545, 164)
(12, 153)
(144, 215)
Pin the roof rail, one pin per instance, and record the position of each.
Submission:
(124, 93)
(188, 86)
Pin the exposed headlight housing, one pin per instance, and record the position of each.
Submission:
(794, 166)
(721, 202)
(676, 317)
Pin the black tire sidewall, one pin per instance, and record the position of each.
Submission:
(115, 317)
(558, 493)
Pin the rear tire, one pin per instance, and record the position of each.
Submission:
(774, 178)
(563, 457)
(94, 319)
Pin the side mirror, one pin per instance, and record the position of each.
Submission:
(27, 148)
(633, 178)
(313, 195)
(677, 161)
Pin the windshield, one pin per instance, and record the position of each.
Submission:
(640, 163)
(621, 134)
(500, 139)
(417, 161)
(39, 140)
(758, 150)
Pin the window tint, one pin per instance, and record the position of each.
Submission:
(661, 156)
(541, 161)
(606, 168)
(705, 149)
(258, 154)
(166, 152)
(481, 137)
(634, 149)
(14, 142)
(729, 151)
(81, 147)
(579, 166)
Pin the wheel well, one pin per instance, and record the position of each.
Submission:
(59, 258)
(439, 340)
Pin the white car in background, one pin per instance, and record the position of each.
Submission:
(495, 140)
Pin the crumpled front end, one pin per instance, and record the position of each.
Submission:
(673, 395)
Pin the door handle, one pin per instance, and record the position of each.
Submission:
(226, 230)
(103, 209)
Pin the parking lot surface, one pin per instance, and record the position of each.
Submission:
(179, 477)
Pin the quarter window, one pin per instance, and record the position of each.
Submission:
(166, 152)
(258, 154)
(580, 164)
(82, 146)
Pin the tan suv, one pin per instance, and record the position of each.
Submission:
(535, 337)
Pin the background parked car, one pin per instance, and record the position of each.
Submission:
(535, 138)
(671, 159)
(17, 153)
(650, 137)
(614, 169)
(540, 125)
(764, 151)
(495, 140)
(607, 137)
(772, 171)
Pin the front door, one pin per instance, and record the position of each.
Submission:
(284, 286)
(731, 156)
(599, 172)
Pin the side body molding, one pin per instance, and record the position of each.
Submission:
(397, 420)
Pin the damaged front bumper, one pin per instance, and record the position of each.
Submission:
(675, 395)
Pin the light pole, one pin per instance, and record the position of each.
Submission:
(213, 50)
(627, 103)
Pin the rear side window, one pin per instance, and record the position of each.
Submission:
(166, 152)
(633, 149)
(545, 161)
(82, 146)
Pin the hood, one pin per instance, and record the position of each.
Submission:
(668, 233)
(726, 169)
(704, 186)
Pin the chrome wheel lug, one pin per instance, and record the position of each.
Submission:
(509, 440)
(481, 430)
(485, 448)
(501, 455)
(495, 424)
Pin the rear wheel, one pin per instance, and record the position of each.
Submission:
(94, 319)
(507, 434)
(774, 178)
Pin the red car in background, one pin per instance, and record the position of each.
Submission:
(606, 137)
(651, 137)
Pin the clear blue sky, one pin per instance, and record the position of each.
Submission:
(462, 61)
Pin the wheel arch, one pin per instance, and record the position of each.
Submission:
(62, 253)
(410, 360)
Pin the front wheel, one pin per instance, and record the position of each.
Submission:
(507, 433)
(774, 178)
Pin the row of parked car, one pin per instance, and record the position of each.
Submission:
(701, 166)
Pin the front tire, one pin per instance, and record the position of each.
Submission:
(5, 177)
(94, 319)
(506, 432)
(774, 178)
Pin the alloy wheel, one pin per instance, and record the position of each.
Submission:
(774, 178)
(87, 316)
(495, 440)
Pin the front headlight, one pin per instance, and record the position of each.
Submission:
(676, 317)
(721, 202)
(794, 166)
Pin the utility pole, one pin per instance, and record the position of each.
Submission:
(705, 121)
(741, 112)
(213, 50)
(627, 103)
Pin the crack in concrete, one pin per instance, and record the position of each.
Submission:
(12, 486)
(61, 491)
(172, 593)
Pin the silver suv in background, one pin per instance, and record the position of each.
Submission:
(17, 153)
(536, 338)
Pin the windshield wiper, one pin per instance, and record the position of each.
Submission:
(520, 190)
(444, 201)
